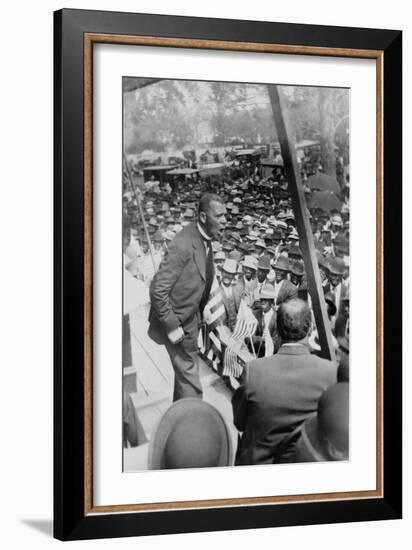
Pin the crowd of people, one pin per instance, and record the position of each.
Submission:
(238, 231)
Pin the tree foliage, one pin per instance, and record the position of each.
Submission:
(173, 114)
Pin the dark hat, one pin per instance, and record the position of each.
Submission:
(236, 237)
(190, 434)
(336, 266)
(341, 243)
(282, 264)
(227, 246)
(297, 268)
(243, 247)
(264, 263)
(321, 259)
(158, 237)
(294, 251)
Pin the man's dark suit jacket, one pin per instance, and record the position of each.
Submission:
(277, 394)
(177, 288)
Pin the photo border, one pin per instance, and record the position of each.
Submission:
(76, 31)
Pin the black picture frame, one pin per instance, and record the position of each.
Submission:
(71, 520)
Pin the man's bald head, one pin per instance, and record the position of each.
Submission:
(294, 320)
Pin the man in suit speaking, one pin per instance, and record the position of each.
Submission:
(179, 292)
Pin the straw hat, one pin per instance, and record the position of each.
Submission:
(230, 266)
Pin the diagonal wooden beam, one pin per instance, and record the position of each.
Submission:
(307, 246)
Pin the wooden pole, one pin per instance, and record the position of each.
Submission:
(306, 243)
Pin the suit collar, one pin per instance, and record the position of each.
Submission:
(203, 233)
(298, 349)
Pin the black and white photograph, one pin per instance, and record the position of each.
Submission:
(236, 274)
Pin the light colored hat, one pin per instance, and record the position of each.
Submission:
(188, 213)
(190, 434)
(293, 235)
(216, 246)
(267, 293)
(169, 235)
(337, 220)
(260, 243)
(230, 266)
(235, 255)
(250, 262)
(219, 256)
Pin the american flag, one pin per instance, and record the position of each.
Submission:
(214, 315)
(246, 324)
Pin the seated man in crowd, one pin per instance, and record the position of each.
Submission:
(280, 392)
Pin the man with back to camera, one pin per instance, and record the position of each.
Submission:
(280, 392)
(180, 290)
